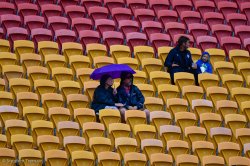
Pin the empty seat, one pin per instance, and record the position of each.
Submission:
(33, 22)
(118, 130)
(190, 17)
(136, 4)
(151, 146)
(230, 43)
(240, 95)
(89, 88)
(201, 106)
(29, 155)
(56, 157)
(206, 42)
(50, 10)
(177, 148)
(244, 7)
(202, 149)
(139, 76)
(103, 25)
(197, 29)
(135, 117)
(65, 35)
(222, 68)
(37, 72)
(167, 91)
(7, 8)
(10, 21)
(111, 4)
(239, 56)
(238, 160)
(158, 5)
(69, 87)
(236, 19)
(242, 136)
(225, 107)
(119, 14)
(57, 23)
(8, 113)
(14, 127)
(23, 46)
(12, 71)
(74, 11)
(21, 141)
(82, 158)
(159, 40)
(158, 78)
(26, 99)
(232, 81)
(160, 158)
(144, 15)
(154, 104)
(17, 33)
(220, 30)
(174, 28)
(96, 50)
(159, 118)
(245, 109)
(61, 74)
(246, 149)
(204, 6)
(125, 145)
(109, 116)
(17, 85)
(78, 62)
(30, 59)
(143, 52)
(136, 39)
(187, 159)
(80, 24)
(167, 16)
(213, 18)
(84, 115)
(227, 7)
(76, 101)
(181, 6)
(112, 38)
(4, 46)
(108, 158)
(26, 9)
(234, 122)
(99, 144)
(58, 114)
(247, 43)
(83, 75)
(119, 51)
(41, 34)
(133, 158)
(175, 105)
(210, 160)
(220, 135)
(182, 79)
(89, 37)
(215, 94)
(98, 12)
(151, 65)
(228, 149)
(90, 3)
(185, 119)
(151, 27)
(128, 26)
(7, 154)
(6, 98)
(146, 90)
(194, 133)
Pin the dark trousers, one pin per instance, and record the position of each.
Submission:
(179, 69)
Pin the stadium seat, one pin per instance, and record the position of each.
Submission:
(232, 81)
(245, 109)
(82, 158)
(175, 105)
(102, 61)
(13, 127)
(136, 4)
(17, 33)
(74, 11)
(96, 50)
(30, 59)
(143, 52)
(206, 42)
(225, 107)
(4, 46)
(109, 116)
(191, 92)
(220, 30)
(142, 15)
(132, 62)
(167, 91)
(169, 132)
(111, 4)
(246, 149)
(185, 119)
(230, 43)
(244, 7)
(41, 34)
(36, 73)
(57, 23)
(26, 99)
(27, 9)
(202, 149)
(89, 87)
(200, 106)
(136, 39)
(146, 89)
(112, 38)
(189, 17)
(238, 160)
(159, 77)
(134, 158)
(194, 133)
(7, 8)
(21, 141)
(50, 10)
(118, 130)
(174, 28)
(242, 136)
(158, 40)
(89, 37)
(198, 29)
(119, 14)
(222, 68)
(42, 2)
(90, 3)
(99, 144)
(58, 114)
(56, 158)
(228, 149)
(160, 158)
(75, 101)
(33, 22)
(8, 113)
(143, 131)
(125, 145)
(150, 64)
(216, 55)
(158, 5)
(83, 75)
(234, 122)
(47, 47)
(135, 117)
(6, 98)
(212, 160)
(204, 6)
(187, 159)
(151, 146)
(98, 12)
(247, 43)
(166, 16)
(84, 115)
(107, 158)
(181, 6)
(53, 61)
(213, 18)
(240, 95)
(177, 148)
(80, 24)
(128, 26)
(163, 53)
(69, 87)
(182, 79)
(65, 35)
(238, 56)
(159, 118)
(78, 61)
(104, 25)
(140, 77)
(151, 27)
(29, 155)
(10, 21)
(220, 135)
(23, 46)
(71, 49)
(33, 113)
(177, 36)
(12, 71)
(154, 104)
(215, 93)
(236, 19)
(119, 51)
(242, 31)
(61, 74)
(227, 7)
(7, 58)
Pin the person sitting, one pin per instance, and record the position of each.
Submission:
(179, 59)
(203, 64)
(105, 96)
(130, 96)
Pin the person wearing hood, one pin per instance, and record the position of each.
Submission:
(104, 96)
(203, 64)
(129, 95)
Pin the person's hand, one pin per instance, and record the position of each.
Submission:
(114, 91)
(174, 65)
(194, 66)
(130, 108)
(135, 107)
(119, 104)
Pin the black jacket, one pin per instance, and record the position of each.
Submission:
(134, 99)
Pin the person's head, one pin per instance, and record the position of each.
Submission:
(205, 57)
(126, 79)
(183, 42)
(106, 81)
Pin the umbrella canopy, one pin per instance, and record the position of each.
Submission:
(114, 70)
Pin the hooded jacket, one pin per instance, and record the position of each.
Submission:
(206, 65)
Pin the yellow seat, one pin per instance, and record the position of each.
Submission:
(135, 117)
(216, 55)
(108, 158)
(6, 98)
(140, 77)
(47, 142)
(33, 113)
(247, 149)
(109, 116)
(200, 106)
(7, 58)
(75, 101)
(99, 144)
(168, 133)
(194, 133)
(245, 109)
(160, 159)
(4, 46)
(3, 141)
(213, 161)
(118, 130)
(21, 141)
(30, 157)
(240, 95)
(238, 56)
(225, 107)
(17, 85)
(132, 62)
(36, 73)
(158, 78)
(82, 158)
(163, 53)
(244, 69)
(142, 52)
(50, 100)
(239, 161)
(62, 74)
(47, 47)
(151, 146)
(242, 136)
(143, 131)
(8, 113)
(43, 86)
(232, 81)
(73, 143)
(69, 87)
(160, 118)
(2, 84)
(89, 88)
(12, 71)
(54, 60)
(83, 115)
(220, 134)
(119, 51)
(102, 61)
(208, 80)
(7, 155)
(30, 59)
(216, 93)
(228, 149)
(96, 50)
(192, 92)
(70, 49)
(154, 104)
(56, 158)
(151, 64)
(177, 147)
(23, 46)
(182, 79)
(185, 119)
(83, 75)
(175, 105)
(221, 68)
(146, 89)
(25, 99)
(13, 127)
(79, 61)
(196, 53)
(125, 145)
(135, 159)
(187, 159)
(202, 149)
(167, 91)
(58, 114)
(91, 130)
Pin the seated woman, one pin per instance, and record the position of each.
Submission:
(130, 96)
(104, 95)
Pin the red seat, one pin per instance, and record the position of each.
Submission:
(17, 2)
(58, 22)
(204, 6)
(41, 34)
(136, 39)
(32, 22)
(245, 8)
(157, 5)
(182, 5)
(74, 11)
(98, 12)
(43, 2)
(110, 4)
(144, 15)
(65, 3)
(49, 10)
(247, 43)
(65, 35)
(127, 26)
(159, 40)
(239, 2)
(190, 17)
(235, 19)
(7, 8)
(27, 9)
(229, 43)
(119, 14)
(10, 20)
(103, 25)
(17, 33)
(177, 36)
(174, 28)
(91, 3)
(150, 27)
(205, 42)
(166, 16)
(79, 24)
(212, 18)
(112, 38)
(242, 31)
(221, 30)
(136, 4)
(197, 29)
(89, 36)
(227, 7)
(1, 33)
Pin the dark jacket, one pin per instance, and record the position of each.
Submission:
(175, 56)
(134, 98)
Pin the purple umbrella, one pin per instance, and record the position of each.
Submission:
(114, 70)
